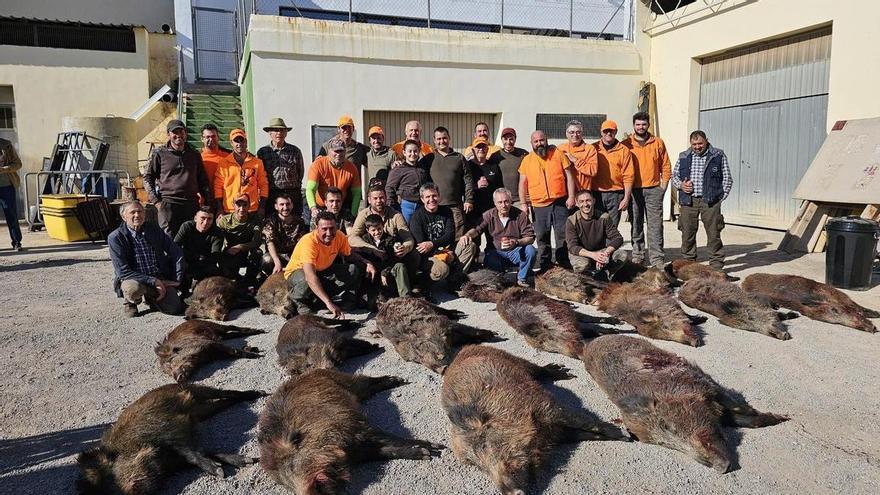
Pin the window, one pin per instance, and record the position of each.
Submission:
(73, 35)
(553, 124)
(7, 117)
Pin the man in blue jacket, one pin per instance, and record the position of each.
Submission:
(147, 263)
(702, 177)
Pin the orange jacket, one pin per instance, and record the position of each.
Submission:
(585, 165)
(651, 161)
(545, 177)
(232, 180)
(615, 168)
(211, 160)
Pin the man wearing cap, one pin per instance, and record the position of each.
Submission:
(284, 165)
(174, 179)
(380, 157)
(333, 170)
(702, 177)
(509, 159)
(241, 173)
(652, 173)
(211, 153)
(413, 130)
(450, 172)
(613, 182)
(487, 179)
(243, 237)
(355, 152)
(582, 155)
(546, 179)
(481, 131)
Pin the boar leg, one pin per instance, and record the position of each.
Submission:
(610, 320)
(210, 401)
(737, 412)
(236, 460)
(224, 351)
(465, 334)
(380, 445)
(550, 372)
(697, 319)
(340, 325)
(452, 314)
(200, 461)
(356, 347)
(578, 427)
(365, 387)
(868, 312)
(234, 332)
(787, 315)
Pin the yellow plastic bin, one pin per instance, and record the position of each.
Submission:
(61, 200)
(63, 225)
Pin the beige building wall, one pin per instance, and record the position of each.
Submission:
(855, 58)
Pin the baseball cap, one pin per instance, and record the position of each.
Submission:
(242, 197)
(237, 133)
(345, 120)
(376, 130)
(508, 130)
(174, 125)
(609, 124)
(480, 140)
(335, 144)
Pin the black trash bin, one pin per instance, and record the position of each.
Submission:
(849, 254)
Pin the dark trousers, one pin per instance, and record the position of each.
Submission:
(713, 222)
(647, 203)
(458, 219)
(336, 279)
(607, 202)
(172, 215)
(10, 210)
(231, 264)
(199, 270)
(547, 217)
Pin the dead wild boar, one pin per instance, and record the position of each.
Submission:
(568, 285)
(484, 285)
(732, 306)
(272, 297)
(812, 299)
(665, 400)
(504, 422)
(312, 430)
(425, 333)
(194, 343)
(156, 435)
(212, 298)
(657, 279)
(548, 324)
(654, 313)
(683, 269)
(308, 342)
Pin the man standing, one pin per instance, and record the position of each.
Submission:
(355, 152)
(201, 242)
(546, 173)
(147, 264)
(396, 227)
(592, 240)
(703, 179)
(580, 154)
(243, 237)
(284, 165)
(241, 173)
(487, 178)
(313, 271)
(511, 233)
(212, 153)
(481, 131)
(612, 185)
(451, 174)
(413, 130)
(652, 172)
(329, 171)
(10, 164)
(509, 159)
(174, 179)
(281, 231)
(433, 230)
(379, 158)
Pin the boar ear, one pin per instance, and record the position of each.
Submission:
(648, 316)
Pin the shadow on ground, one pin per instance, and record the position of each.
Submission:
(21, 453)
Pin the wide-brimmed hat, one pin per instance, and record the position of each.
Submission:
(275, 124)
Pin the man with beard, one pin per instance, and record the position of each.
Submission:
(612, 185)
(379, 158)
(281, 231)
(652, 173)
(333, 170)
(593, 240)
(546, 178)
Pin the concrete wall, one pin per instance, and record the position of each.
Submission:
(855, 59)
(310, 72)
(151, 14)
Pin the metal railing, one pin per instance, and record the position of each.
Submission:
(69, 182)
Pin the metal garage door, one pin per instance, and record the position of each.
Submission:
(766, 106)
(460, 125)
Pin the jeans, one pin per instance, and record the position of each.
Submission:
(407, 208)
(713, 222)
(10, 210)
(522, 256)
(553, 215)
(647, 203)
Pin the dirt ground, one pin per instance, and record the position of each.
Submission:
(69, 362)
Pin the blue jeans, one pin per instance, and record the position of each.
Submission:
(523, 257)
(407, 208)
(10, 210)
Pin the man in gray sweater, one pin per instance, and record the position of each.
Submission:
(593, 241)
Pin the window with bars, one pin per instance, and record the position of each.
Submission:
(554, 124)
(72, 35)
(7, 117)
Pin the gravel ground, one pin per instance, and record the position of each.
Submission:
(69, 362)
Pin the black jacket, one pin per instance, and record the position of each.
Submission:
(168, 256)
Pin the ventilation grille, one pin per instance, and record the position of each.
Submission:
(71, 35)
(553, 124)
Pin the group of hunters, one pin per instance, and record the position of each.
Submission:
(428, 209)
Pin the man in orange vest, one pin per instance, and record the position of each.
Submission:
(612, 185)
(546, 179)
(241, 173)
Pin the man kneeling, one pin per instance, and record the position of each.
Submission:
(314, 271)
(512, 234)
(593, 241)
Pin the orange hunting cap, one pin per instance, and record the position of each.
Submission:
(235, 133)
(376, 130)
(479, 141)
(608, 124)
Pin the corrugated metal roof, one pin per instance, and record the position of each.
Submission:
(68, 22)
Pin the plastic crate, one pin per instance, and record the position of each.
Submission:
(61, 200)
(64, 227)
